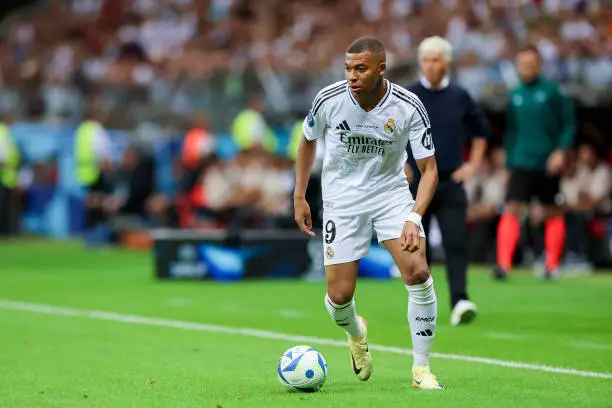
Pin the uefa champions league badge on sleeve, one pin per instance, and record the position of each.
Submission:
(310, 119)
(329, 252)
(390, 126)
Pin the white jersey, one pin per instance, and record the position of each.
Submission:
(365, 152)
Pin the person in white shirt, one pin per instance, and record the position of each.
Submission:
(586, 187)
(366, 123)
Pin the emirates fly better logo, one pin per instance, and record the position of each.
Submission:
(361, 144)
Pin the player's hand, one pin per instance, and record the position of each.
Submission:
(302, 216)
(465, 172)
(555, 162)
(410, 237)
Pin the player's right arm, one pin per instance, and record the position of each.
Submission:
(423, 150)
(303, 167)
(313, 128)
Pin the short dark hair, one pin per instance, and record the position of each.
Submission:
(365, 44)
(529, 48)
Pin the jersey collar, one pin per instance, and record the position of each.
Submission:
(379, 104)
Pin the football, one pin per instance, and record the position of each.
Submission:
(302, 368)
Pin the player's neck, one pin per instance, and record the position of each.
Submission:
(370, 100)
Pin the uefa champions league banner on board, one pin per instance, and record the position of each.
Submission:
(251, 254)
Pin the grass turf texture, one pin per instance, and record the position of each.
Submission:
(60, 361)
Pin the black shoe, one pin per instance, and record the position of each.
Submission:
(551, 274)
(500, 273)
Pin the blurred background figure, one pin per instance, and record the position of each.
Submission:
(486, 194)
(94, 173)
(250, 130)
(540, 129)
(134, 185)
(586, 187)
(10, 194)
(198, 157)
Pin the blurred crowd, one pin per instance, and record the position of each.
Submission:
(172, 57)
(252, 189)
(164, 62)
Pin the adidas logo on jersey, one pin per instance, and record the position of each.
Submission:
(425, 333)
(343, 126)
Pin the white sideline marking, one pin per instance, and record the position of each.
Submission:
(177, 324)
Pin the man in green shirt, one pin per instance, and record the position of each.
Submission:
(540, 128)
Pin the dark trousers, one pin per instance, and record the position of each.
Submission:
(10, 211)
(577, 225)
(482, 241)
(449, 205)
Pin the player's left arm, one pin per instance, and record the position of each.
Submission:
(425, 192)
(478, 128)
(564, 109)
(421, 144)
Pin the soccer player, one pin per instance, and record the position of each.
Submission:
(454, 116)
(366, 122)
(540, 128)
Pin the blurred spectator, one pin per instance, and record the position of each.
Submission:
(250, 129)
(10, 196)
(117, 202)
(94, 173)
(196, 204)
(486, 197)
(586, 187)
(134, 185)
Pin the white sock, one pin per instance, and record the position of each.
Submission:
(422, 311)
(344, 316)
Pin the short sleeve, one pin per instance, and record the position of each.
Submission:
(419, 133)
(314, 125)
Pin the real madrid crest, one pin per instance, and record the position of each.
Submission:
(329, 252)
(390, 126)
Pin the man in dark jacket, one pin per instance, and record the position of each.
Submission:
(454, 116)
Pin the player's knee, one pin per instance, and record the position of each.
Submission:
(340, 291)
(340, 296)
(420, 274)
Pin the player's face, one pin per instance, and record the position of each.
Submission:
(528, 66)
(433, 66)
(363, 71)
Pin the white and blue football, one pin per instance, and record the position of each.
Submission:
(302, 368)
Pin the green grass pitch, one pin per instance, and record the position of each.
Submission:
(54, 352)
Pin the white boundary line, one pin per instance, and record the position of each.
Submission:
(177, 324)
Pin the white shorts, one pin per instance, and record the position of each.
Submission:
(347, 238)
